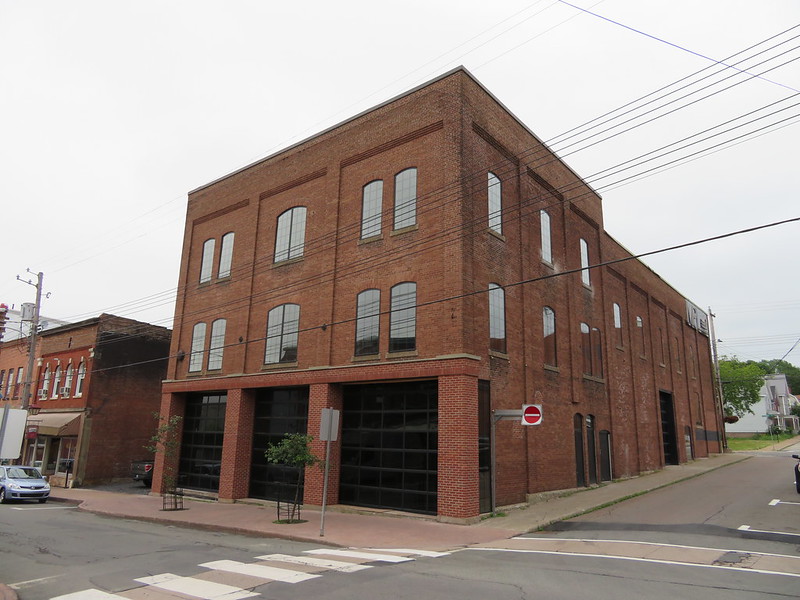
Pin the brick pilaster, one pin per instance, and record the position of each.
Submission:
(234, 476)
(321, 396)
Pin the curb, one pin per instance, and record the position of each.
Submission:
(6, 593)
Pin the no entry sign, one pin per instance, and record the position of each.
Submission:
(531, 414)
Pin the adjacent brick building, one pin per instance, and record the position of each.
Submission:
(419, 267)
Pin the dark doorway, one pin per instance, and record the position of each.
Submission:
(668, 436)
(484, 446)
(201, 446)
(580, 469)
(278, 411)
(591, 448)
(390, 446)
(605, 455)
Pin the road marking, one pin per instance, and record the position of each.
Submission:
(89, 595)
(207, 590)
(43, 507)
(21, 584)
(427, 553)
(748, 528)
(638, 559)
(334, 565)
(370, 556)
(262, 571)
(774, 502)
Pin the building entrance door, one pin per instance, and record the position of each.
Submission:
(668, 435)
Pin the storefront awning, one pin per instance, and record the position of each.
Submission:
(57, 424)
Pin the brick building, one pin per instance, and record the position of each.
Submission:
(418, 267)
(97, 386)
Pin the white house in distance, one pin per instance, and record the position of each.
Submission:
(773, 408)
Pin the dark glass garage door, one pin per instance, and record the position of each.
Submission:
(390, 446)
(278, 411)
(201, 446)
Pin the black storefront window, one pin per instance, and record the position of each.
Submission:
(277, 412)
(201, 446)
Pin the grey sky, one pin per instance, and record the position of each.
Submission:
(111, 112)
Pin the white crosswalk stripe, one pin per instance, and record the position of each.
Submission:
(207, 590)
(263, 571)
(370, 556)
(426, 553)
(333, 565)
(89, 595)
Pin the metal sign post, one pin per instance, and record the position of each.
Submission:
(328, 432)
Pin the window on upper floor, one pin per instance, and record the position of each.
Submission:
(18, 385)
(207, 262)
(640, 336)
(592, 351)
(45, 382)
(291, 234)
(56, 382)
(66, 391)
(283, 325)
(547, 244)
(495, 194)
(618, 337)
(677, 352)
(371, 207)
(198, 345)
(549, 340)
(2, 381)
(10, 384)
(405, 198)
(226, 255)
(403, 318)
(497, 318)
(81, 378)
(585, 276)
(217, 345)
(368, 308)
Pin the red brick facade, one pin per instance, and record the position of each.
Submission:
(453, 132)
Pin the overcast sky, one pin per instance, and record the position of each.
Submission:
(110, 112)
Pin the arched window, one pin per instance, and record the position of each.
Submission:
(547, 244)
(81, 378)
(226, 255)
(371, 206)
(291, 234)
(497, 318)
(10, 384)
(198, 345)
(207, 263)
(45, 382)
(56, 382)
(405, 198)
(495, 193)
(283, 324)
(67, 389)
(217, 344)
(368, 307)
(549, 341)
(403, 318)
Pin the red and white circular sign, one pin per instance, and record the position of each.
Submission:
(531, 414)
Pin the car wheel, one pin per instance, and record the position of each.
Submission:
(42, 500)
(2, 495)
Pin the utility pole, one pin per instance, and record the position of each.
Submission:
(717, 380)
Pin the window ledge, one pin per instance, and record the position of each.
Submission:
(276, 366)
(366, 357)
(620, 348)
(288, 261)
(371, 239)
(500, 355)
(551, 368)
(548, 264)
(402, 354)
(587, 287)
(499, 236)
(403, 230)
(593, 378)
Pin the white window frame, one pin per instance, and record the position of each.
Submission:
(207, 261)
(547, 240)
(217, 344)
(495, 203)
(405, 198)
(226, 255)
(290, 234)
(586, 278)
(80, 379)
(198, 346)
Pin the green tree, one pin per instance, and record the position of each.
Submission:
(781, 366)
(741, 383)
(294, 450)
(166, 441)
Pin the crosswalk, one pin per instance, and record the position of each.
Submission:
(219, 579)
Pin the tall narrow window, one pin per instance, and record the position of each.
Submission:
(585, 277)
(549, 341)
(497, 318)
(68, 380)
(198, 344)
(10, 384)
(2, 380)
(371, 206)
(56, 382)
(405, 198)
(547, 244)
(495, 192)
(81, 378)
(217, 344)
(291, 234)
(586, 348)
(597, 352)
(662, 353)
(226, 255)
(45, 382)
(618, 325)
(283, 324)
(640, 336)
(403, 318)
(20, 373)
(677, 352)
(368, 322)
(208, 261)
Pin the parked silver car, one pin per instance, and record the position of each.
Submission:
(23, 483)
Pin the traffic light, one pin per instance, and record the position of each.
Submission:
(3, 318)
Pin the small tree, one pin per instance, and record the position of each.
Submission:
(741, 383)
(165, 441)
(294, 450)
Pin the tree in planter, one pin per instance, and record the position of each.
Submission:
(294, 450)
(166, 441)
